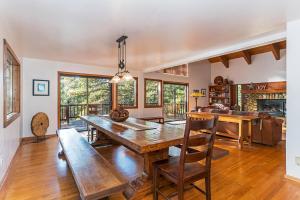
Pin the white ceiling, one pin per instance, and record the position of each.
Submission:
(159, 31)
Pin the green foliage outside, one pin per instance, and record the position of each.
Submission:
(127, 93)
(83, 90)
(152, 92)
(174, 94)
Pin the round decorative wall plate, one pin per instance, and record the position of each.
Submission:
(218, 80)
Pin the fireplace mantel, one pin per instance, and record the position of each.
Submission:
(264, 88)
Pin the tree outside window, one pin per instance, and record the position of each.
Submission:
(153, 93)
(127, 94)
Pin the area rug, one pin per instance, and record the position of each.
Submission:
(219, 153)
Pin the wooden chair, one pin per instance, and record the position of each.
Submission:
(186, 169)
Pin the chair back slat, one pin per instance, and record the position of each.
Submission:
(198, 124)
(199, 140)
(202, 143)
(195, 156)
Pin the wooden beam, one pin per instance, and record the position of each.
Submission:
(276, 50)
(247, 56)
(225, 61)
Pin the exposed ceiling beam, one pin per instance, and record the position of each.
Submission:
(276, 50)
(247, 56)
(275, 37)
(225, 61)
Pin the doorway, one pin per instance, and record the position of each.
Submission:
(175, 101)
(81, 94)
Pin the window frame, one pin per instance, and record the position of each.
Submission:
(16, 87)
(136, 96)
(75, 74)
(160, 97)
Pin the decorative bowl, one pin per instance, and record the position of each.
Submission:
(119, 114)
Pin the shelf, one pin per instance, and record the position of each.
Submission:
(219, 97)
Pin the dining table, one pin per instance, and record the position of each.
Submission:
(148, 139)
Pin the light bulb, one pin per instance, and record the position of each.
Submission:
(115, 79)
(127, 76)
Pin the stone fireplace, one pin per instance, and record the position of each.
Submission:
(275, 107)
(273, 103)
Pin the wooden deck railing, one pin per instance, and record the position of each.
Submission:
(72, 112)
(175, 110)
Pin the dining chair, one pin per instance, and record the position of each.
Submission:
(186, 168)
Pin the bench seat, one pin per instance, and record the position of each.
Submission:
(93, 174)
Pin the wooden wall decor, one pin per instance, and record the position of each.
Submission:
(267, 87)
(39, 124)
(247, 54)
(180, 70)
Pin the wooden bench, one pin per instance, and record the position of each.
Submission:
(93, 174)
(160, 120)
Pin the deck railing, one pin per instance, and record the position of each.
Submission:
(70, 114)
(175, 110)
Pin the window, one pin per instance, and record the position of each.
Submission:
(11, 83)
(153, 93)
(82, 94)
(127, 95)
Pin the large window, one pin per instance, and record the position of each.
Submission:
(153, 93)
(11, 83)
(175, 100)
(82, 94)
(127, 95)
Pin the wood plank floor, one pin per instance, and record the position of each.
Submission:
(257, 172)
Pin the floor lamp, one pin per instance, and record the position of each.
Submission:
(196, 94)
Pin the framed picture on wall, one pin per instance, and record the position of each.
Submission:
(40, 87)
(203, 92)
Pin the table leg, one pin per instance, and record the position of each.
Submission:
(142, 185)
(241, 136)
(250, 132)
(102, 140)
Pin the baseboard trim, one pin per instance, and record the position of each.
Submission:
(33, 138)
(292, 178)
(4, 181)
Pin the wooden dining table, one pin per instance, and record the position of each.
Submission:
(148, 139)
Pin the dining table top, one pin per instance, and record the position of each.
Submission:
(151, 137)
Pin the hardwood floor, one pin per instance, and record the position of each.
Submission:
(256, 172)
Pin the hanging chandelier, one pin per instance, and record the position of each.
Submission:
(122, 74)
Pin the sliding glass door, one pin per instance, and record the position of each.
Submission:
(175, 101)
(81, 95)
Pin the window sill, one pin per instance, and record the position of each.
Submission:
(11, 118)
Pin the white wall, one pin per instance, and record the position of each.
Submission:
(198, 78)
(293, 93)
(264, 68)
(9, 137)
(48, 70)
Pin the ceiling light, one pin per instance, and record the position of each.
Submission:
(123, 74)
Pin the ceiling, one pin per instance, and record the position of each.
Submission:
(160, 32)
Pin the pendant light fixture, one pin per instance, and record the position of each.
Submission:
(122, 74)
